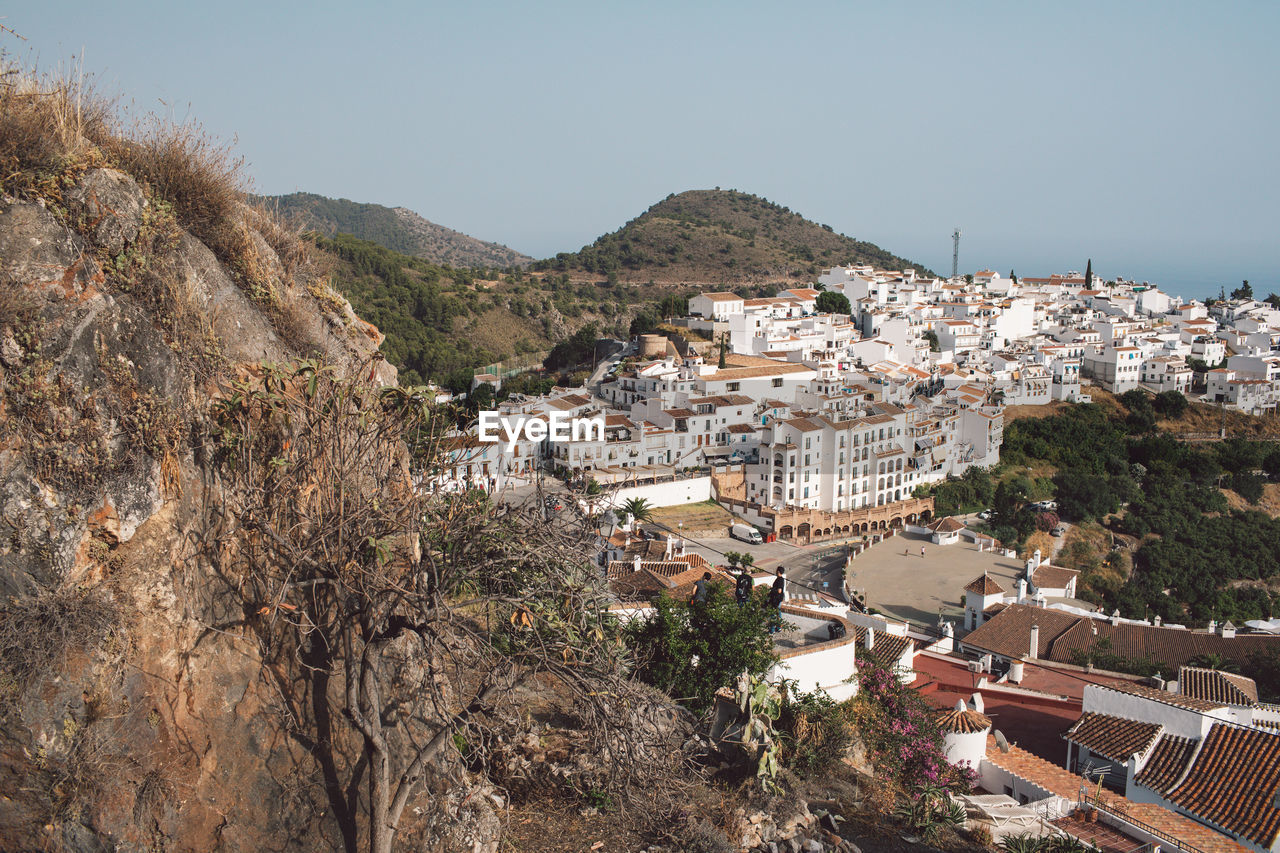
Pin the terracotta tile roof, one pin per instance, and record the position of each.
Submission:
(1177, 700)
(962, 722)
(803, 424)
(946, 525)
(1112, 737)
(887, 646)
(735, 373)
(1065, 784)
(1216, 686)
(1009, 633)
(1167, 763)
(1234, 783)
(1062, 633)
(984, 585)
(1052, 577)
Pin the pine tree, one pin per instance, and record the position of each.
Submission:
(1088, 275)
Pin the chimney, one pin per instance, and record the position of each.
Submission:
(1213, 626)
(667, 554)
(1115, 616)
(1015, 672)
(1035, 642)
(1156, 621)
(637, 563)
(870, 639)
(1228, 630)
(976, 702)
(1022, 590)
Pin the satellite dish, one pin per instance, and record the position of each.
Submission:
(1001, 741)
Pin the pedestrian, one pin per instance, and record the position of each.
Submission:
(701, 588)
(922, 552)
(777, 593)
(742, 591)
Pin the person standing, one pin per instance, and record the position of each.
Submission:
(777, 594)
(922, 552)
(701, 588)
(742, 590)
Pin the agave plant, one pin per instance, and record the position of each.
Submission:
(1066, 844)
(1023, 842)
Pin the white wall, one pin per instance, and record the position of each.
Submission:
(824, 668)
(1176, 721)
(965, 747)
(996, 779)
(692, 490)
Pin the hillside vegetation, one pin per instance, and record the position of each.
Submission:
(396, 228)
(1197, 557)
(441, 322)
(719, 238)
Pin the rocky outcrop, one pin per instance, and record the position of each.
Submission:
(143, 719)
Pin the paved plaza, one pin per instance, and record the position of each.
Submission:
(901, 583)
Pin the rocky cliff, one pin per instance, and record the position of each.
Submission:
(131, 720)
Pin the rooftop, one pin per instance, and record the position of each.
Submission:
(1111, 737)
(1065, 784)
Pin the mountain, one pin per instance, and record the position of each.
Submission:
(397, 228)
(720, 238)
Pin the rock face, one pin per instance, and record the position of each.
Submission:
(133, 714)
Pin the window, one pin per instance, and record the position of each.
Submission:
(777, 382)
(733, 386)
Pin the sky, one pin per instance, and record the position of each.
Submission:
(1140, 135)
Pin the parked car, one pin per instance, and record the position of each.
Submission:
(1059, 530)
(985, 515)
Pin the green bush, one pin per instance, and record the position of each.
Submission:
(691, 649)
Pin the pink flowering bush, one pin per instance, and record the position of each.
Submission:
(900, 732)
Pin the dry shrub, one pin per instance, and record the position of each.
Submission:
(284, 239)
(48, 123)
(53, 127)
(188, 168)
(66, 622)
(292, 321)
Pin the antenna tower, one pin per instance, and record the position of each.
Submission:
(955, 254)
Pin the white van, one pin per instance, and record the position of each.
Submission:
(746, 533)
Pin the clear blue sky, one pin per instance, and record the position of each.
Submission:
(1143, 135)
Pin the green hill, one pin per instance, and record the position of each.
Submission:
(717, 238)
(440, 321)
(396, 228)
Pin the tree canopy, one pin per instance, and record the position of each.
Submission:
(833, 303)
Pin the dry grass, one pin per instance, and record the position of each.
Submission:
(186, 167)
(66, 622)
(47, 124)
(53, 127)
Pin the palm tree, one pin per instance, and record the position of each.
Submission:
(638, 508)
(1213, 660)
